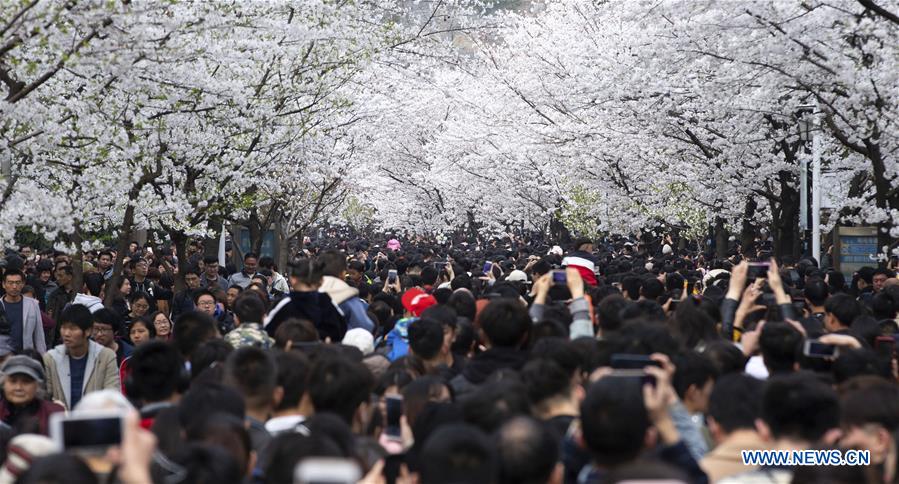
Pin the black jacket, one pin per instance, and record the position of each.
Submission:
(483, 365)
(316, 307)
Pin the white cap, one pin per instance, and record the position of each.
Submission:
(666, 249)
(360, 338)
(517, 276)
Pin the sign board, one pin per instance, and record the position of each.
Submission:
(854, 248)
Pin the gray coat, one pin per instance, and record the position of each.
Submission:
(32, 327)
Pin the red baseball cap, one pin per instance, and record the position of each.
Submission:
(415, 301)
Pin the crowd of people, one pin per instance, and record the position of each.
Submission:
(382, 360)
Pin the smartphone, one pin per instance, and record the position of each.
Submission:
(816, 349)
(636, 374)
(391, 276)
(323, 470)
(625, 361)
(89, 432)
(392, 465)
(560, 277)
(393, 429)
(757, 270)
(487, 267)
(440, 266)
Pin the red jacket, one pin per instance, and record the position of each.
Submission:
(42, 413)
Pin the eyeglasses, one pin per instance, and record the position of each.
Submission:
(102, 330)
(206, 303)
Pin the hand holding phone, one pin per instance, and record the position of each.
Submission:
(393, 428)
(90, 433)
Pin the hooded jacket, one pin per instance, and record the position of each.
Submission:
(101, 373)
(346, 298)
(317, 307)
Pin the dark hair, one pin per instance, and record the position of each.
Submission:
(254, 373)
(208, 356)
(204, 400)
(296, 331)
(505, 322)
(156, 371)
(873, 400)
(333, 262)
(692, 369)
(545, 379)
(227, 432)
(13, 272)
(527, 452)
(736, 401)
(816, 291)
(94, 282)
(207, 464)
(692, 326)
(338, 385)
(500, 398)
(614, 420)
(799, 406)
(191, 330)
(464, 304)
(248, 308)
(110, 317)
(288, 449)
(147, 323)
(844, 307)
(458, 453)
(58, 468)
(293, 370)
(608, 312)
(726, 357)
(779, 344)
(202, 292)
(651, 288)
(251, 255)
(307, 271)
(425, 338)
(78, 315)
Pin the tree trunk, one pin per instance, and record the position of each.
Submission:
(747, 231)
(786, 225)
(180, 240)
(721, 237)
(77, 261)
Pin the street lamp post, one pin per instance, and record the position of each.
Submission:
(810, 129)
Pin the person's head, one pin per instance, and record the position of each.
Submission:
(293, 371)
(191, 330)
(458, 453)
(734, 404)
(289, 448)
(13, 282)
(211, 266)
(232, 294)
(248, 308)
(614, 421)
(780, 344)
(140, 304)
(880, 277)
(334, 263)
(547, 384)
(293, 331)
(107, 323)
(528, 453)
(124, 287)
(608, 312)
(205, 463)
(816, 292)
(339, 385)
(22, 378)
(870, 416)
(203, 400)
(356, 271)
(254, 374)
(104, 260)
(306, 274)
(64, 275)
(162, 324)
(230, 434)
(840, 310)
(204, 300)
(58, 468)
(75, 325)
(192, 278)
(157, 373)
(798, 408)
(426, 338)
(693, 380)
(505, 323)
(140, 268)
(142, 330)
(250, 263)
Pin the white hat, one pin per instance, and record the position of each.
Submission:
(556, 250)
(360, 338)
(666, 249)
(517, 276)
